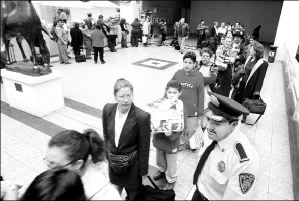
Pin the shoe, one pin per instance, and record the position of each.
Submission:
(67, 62)
(48, 65)
(95, 62)
(61, 62)
(88, 58)
(159, 175)
(102, 62)
(169, 186)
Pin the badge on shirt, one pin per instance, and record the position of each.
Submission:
(246, 180)
(221, 166)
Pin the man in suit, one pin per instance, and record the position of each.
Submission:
(127, 133)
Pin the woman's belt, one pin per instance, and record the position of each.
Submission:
(121, 160)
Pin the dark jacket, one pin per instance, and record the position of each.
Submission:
(135, 136)
(255, 81)
(136, 27)
(77, 37)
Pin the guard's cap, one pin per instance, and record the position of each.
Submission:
(225, 107)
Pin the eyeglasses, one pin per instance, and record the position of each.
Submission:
(52, 164)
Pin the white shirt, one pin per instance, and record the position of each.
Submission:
(226, 184)
(221, 30)
(97, 184)
(120, 119)
(146, 26)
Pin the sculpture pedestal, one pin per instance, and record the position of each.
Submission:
(38, 96)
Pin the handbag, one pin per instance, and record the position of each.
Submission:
(121, 164)
(80, 58)
(255, 106)
(147, 192)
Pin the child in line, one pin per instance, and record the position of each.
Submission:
(167, 142)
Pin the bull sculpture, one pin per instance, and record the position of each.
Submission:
(19, 19)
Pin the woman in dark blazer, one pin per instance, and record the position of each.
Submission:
(127, 133)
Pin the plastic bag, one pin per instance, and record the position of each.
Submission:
(196, 140)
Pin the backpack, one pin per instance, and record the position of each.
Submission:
(53, 33)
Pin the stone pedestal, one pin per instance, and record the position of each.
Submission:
(38, 96)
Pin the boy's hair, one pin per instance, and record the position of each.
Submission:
(190, 55)
(174, 84)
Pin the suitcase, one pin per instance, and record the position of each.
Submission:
(80, 58)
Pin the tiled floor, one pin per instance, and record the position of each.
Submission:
(88, 86)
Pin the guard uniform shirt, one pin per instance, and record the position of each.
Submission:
(231, 169)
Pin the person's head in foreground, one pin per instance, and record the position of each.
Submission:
(222, 116)
(56, 184)
(73, 150)
(257, 50)
(123, 94)
(173, 90)
(206, 54)
(189, 61)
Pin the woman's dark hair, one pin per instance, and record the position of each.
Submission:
(259, 49)
(122, 21)
(174, 84)
(80, 145)
(56, 184)
(190, 55)
(206, 50)
(122, 83)
(76, 25)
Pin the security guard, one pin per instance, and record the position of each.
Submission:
(228, 167)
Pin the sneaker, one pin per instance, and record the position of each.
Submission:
(169, 186)
(67, 62)
(95, 62)
(102, 62)
(159, 175)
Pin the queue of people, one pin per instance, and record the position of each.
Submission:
(210, 91)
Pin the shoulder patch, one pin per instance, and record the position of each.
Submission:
(241, 152)
(246, 181)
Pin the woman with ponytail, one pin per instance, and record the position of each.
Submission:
(85, 154)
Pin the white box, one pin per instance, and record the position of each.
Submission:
(38, 96)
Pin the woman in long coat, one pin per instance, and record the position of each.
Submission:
(127, 133)
(77, 38)
(251, 82)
